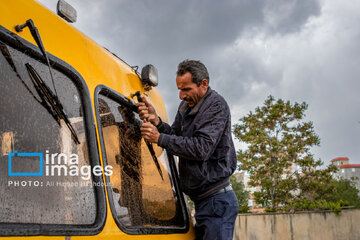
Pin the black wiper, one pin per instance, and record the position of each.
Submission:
(50, 101)
(148, 144)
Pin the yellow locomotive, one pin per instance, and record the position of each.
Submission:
(73, 163)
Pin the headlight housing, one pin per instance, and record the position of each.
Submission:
(149, 76)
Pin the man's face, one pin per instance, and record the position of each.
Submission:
(189, 91)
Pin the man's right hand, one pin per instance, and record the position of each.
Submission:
(147, 112)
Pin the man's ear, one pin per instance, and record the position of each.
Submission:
(204, 83)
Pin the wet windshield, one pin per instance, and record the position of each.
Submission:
(44, 177)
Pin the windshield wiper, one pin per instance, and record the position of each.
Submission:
(50, 101)
(148, 144)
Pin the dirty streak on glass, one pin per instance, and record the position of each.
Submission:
(26, 126)
(140, 197)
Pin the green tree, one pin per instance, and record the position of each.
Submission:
(346, 191)
(241, 194)
(315, 184)
(278, 156)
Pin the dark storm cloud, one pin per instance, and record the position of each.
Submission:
(174, 26)
(167, 32)
(288, 16)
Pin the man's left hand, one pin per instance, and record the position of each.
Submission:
(150, 132)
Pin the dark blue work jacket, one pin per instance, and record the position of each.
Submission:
(201, 137)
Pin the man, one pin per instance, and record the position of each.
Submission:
(201, 137)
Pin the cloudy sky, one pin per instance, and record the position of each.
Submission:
(297, 50)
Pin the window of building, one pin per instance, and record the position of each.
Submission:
(353, 169)
(140, 198)
(45, 172)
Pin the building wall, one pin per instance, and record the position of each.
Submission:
(306, 225)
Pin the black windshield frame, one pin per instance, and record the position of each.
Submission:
(20, 229)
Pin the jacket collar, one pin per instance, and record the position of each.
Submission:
(184, 107)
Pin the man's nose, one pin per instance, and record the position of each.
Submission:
(182, 95)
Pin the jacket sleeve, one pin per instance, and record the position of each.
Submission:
(208, 131)
(166, 128)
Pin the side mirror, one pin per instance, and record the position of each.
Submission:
(66, 11)
(149, 76)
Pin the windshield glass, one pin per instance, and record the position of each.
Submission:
(44, 174)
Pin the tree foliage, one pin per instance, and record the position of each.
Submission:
(346, 191)
(241, 194)
(278, 156)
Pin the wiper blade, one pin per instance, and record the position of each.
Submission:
(148, 144)
(50, 101)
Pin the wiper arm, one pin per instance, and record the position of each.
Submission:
(50, 101)
(148, 144)
(35, 34)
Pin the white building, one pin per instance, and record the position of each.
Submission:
(347, 170)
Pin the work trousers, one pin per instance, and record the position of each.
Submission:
(215, 216)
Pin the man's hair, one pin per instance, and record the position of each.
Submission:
(197, 70)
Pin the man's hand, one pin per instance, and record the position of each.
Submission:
(150, 132)
(147, 112)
